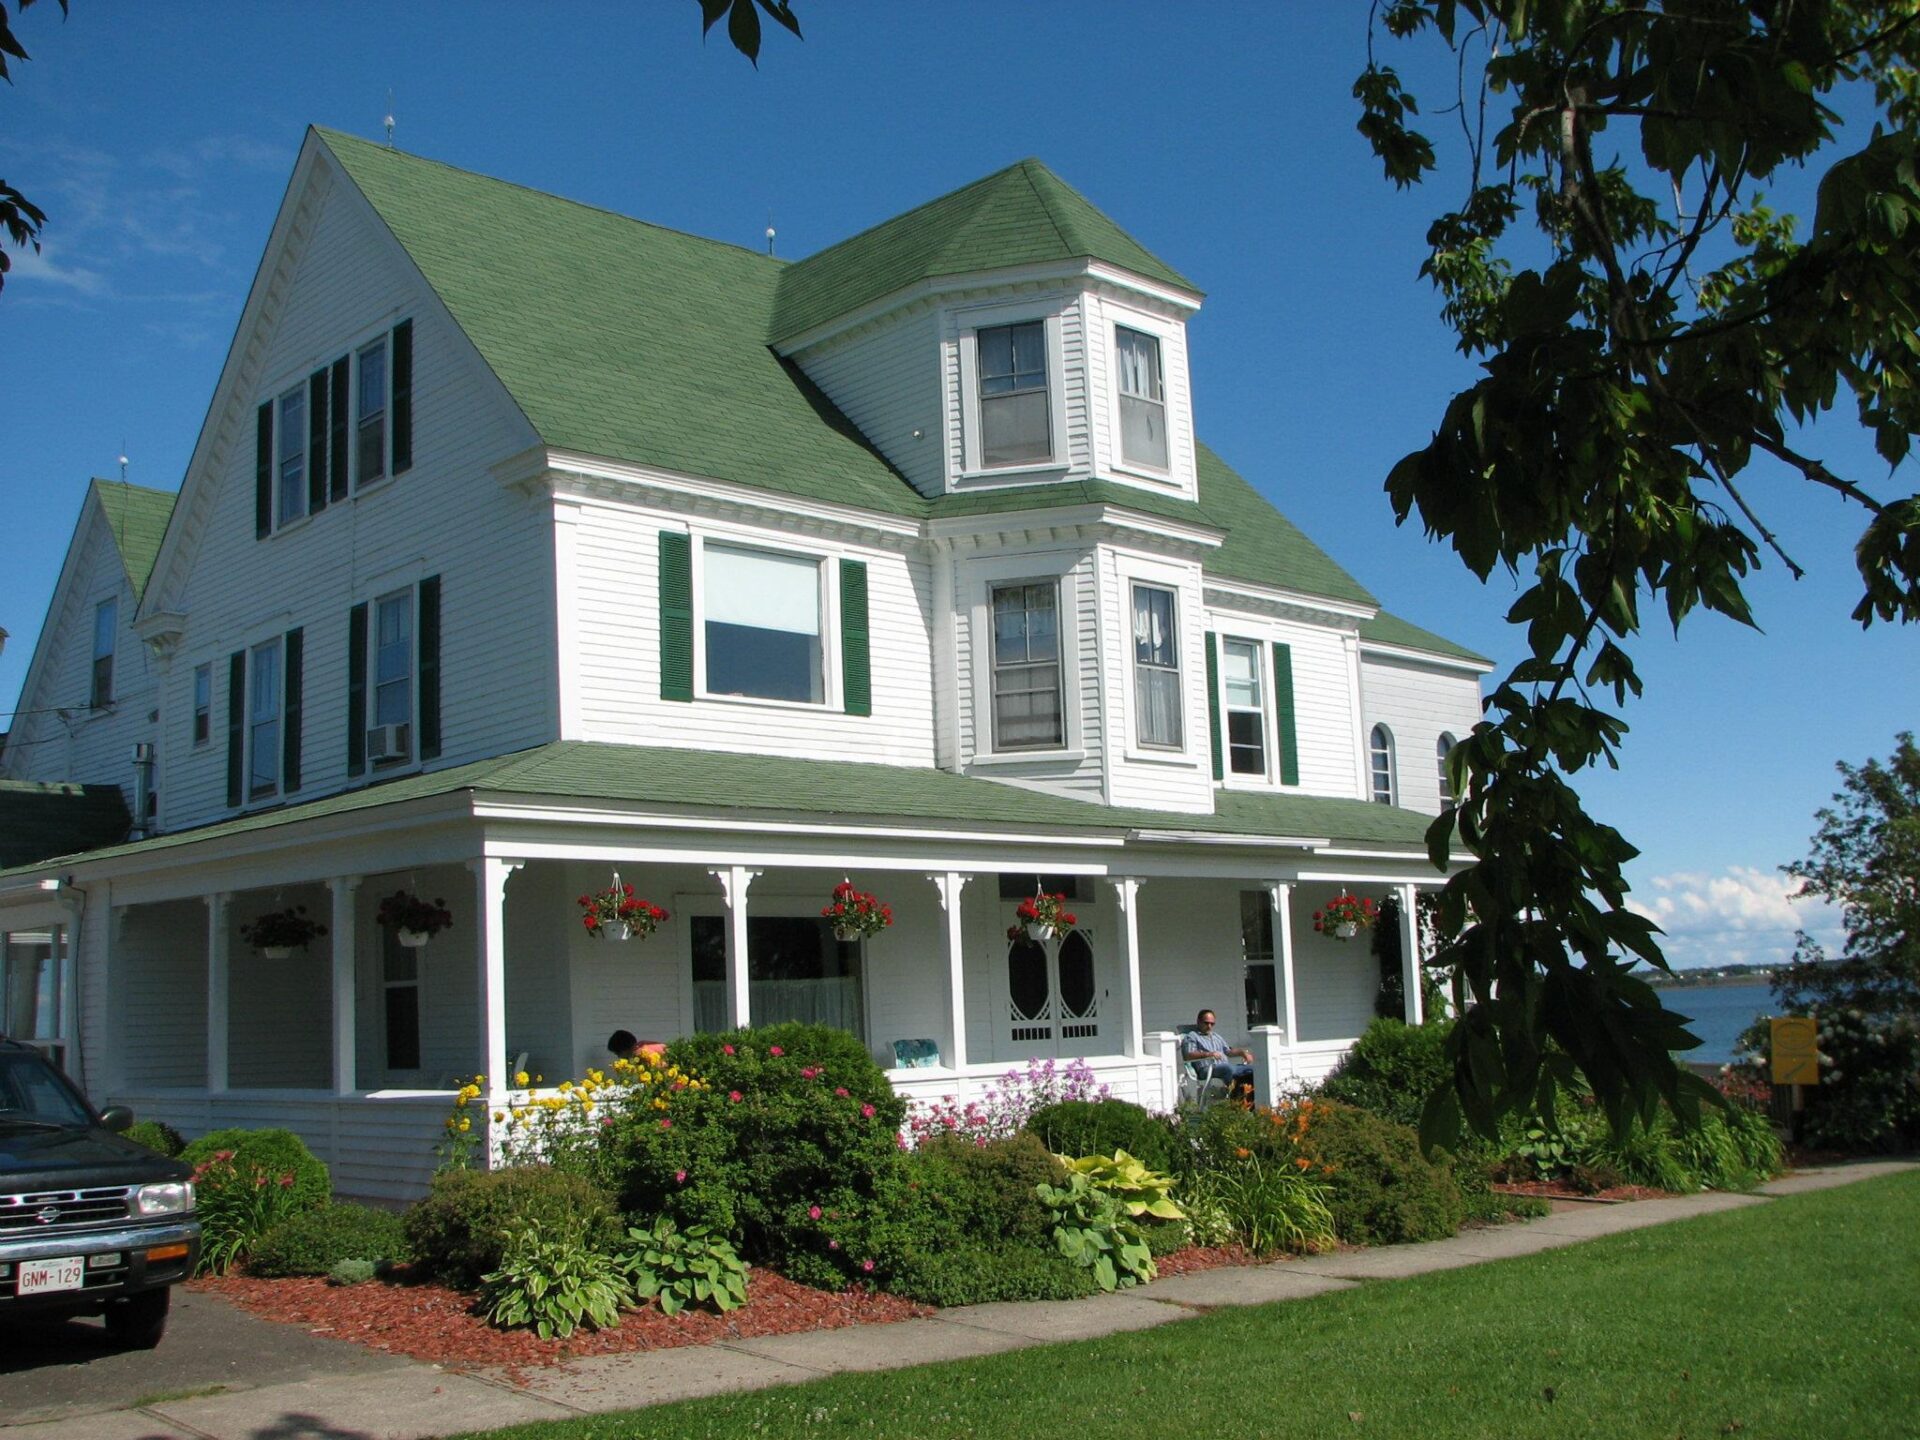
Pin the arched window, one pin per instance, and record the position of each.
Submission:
(1441, 749)
(1381, 749)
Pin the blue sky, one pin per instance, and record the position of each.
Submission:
(159, 140)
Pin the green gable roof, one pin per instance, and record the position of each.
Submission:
(1023, 215)
(137, 518)
(39, 821)
(1392, 630)
(623, 339)
(778, 787)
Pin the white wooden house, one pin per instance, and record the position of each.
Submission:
(524, 543)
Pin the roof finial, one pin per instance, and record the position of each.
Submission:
(389, 117)
(123, 462)
(769, 232)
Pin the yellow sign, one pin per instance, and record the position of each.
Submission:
(1796, 1061)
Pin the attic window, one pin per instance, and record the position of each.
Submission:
(1015, 421)
(106, 620)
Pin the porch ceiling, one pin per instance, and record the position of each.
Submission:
(777, 787)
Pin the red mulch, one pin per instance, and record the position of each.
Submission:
(1195, 1257)
(1562, 1190)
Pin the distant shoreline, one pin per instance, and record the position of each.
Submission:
(1683, 981)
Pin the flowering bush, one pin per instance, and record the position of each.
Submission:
(856, 914)
(403, 910)
(282, 929)
(245, 1182)
(617, 909)
(1048, 913)
(1344, 909)
(1005, 1107)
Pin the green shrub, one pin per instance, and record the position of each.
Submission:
(1263, 1204)
(459, 1232)
(1392, 1069)
(1730, 1149)
(789, 1146)
(683, 1267)
(351, 1272)
(982, 1194)
(273, 1152)
(978, 1275)
(553, 1280)
(1380, 1189)
(1092, 1231)
(1490, 1207)
(156, 1135)
(1100, 1127)
(313, 1242)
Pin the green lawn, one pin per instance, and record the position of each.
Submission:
(1796, 1319)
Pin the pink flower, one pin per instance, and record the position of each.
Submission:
(775, 1050)
(666, 1124)
(679, 1177)
(726, 1050)
(809, 1071)
(867, 1265)
(813, 1212)
(833, 1244)
(735, 1096)
(866, 1112)
(841, 1091)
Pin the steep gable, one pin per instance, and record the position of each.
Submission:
(137, 519)
(1023, 215)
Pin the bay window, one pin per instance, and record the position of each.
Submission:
(1143, 399)
(1156, 667)
(1027, 709)
(1016, 424)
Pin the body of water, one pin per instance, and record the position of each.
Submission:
(1719, 1013)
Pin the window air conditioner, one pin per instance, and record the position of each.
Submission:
(389, 742)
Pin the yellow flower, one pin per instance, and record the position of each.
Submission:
(498, 1116)
(520, 1078)
(465, 1124)
(479, 1079)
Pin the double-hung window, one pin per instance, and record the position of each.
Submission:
(393, 678)
(263, 720)
(393, 661)
(292, 469)
(106, 622)
(762, 614)
(1143, 398)
(1246, 708)
(33, 980)
(1156, 667)
(1027, 709)
(1016, 425)
(370, 414)
(202, 704)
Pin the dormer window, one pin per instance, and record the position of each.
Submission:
(1015, 414)
(1143, 398)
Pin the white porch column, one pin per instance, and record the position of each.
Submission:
(1280, 892)
(734, 881)
(1126, 891)
(953, 1050)
(1410, 971)
(490, 944)
(1162, 1047)
(345, 936)
(218, 972)
(1272, 1062)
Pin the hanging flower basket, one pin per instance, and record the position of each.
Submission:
(414, 921)
(618, 912)
(856, 914)
(1046, 916)
(1345, 916)
(278, 933)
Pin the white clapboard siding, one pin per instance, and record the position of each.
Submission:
(616, 660)
(445, 516)
(146, 1022)
(1324, 720)
(886, 380)
(1418, 703)
(279, 1031)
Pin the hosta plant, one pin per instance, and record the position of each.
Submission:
(1093, 1231)
(686, 1267)
(1141, 1192)
(553, 1282)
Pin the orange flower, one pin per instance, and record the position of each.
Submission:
(1303, 1162)
(1242, 1151)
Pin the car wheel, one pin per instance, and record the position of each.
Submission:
(138, 1322)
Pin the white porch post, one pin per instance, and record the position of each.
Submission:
(1410, 954)
(734, 881)
(1270, 1058)
(217, 998)
(1126, 891)
(345, 937)
(954, 1042)
(1280, 892)
(490, 926)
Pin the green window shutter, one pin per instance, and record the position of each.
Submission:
(262, 473)
(1213, 704)
(357, 690)
(337, 450)
(402, 396)
(236, 726)
(676, 615)
(1283, 714)
(430, 668)
(856, 665)
(317, 431)
(290, 722)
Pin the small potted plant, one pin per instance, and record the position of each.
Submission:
(856, 914)
(276, 933)
(413, 921)
(617, 911)
(1046, 916)
(1345, 916)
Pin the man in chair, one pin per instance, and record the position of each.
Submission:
(1204, 1044)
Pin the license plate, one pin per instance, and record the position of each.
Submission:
(43, 1277)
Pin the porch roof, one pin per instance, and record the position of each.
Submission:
(704, 781)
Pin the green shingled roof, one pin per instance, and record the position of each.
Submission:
(778, 787)
(1392, 630)
(39, 821)
(1023, 215)
(137, 517)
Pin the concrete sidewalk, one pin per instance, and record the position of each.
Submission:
(411, 1401)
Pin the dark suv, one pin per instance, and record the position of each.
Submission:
(90, 1223)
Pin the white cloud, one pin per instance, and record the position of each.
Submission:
(44, 267)
(1741, 915)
